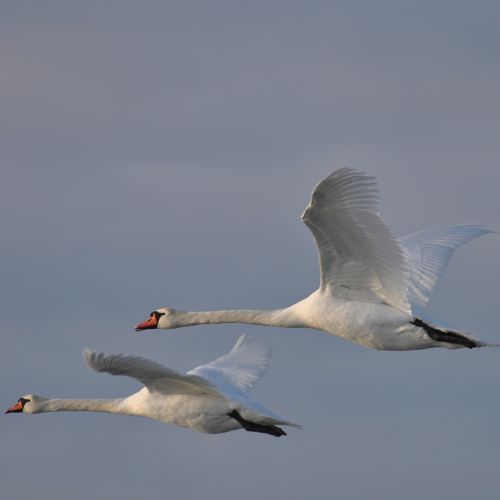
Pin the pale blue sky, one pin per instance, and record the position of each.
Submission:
(160, 153)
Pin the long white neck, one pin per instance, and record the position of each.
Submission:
(103, 405)
(276, 317)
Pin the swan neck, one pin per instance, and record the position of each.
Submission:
(100, 405)
(276, 317)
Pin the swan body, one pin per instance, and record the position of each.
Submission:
(372, 285)
(211, 398)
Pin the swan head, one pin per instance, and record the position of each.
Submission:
(163, 317)
(26, 404)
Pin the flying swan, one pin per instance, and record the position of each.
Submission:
(371, 284)
(211, 398)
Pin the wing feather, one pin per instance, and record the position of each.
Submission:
(156, 377)
(428, 253)
(359, 257)
(242, 367)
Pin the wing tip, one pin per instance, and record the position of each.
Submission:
(239, 342)
(88, 357)
(250, 341)
(345, 173)
(480, 228)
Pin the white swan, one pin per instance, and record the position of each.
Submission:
(369, 280)
(211, 398)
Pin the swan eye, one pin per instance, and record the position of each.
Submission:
(23, 401)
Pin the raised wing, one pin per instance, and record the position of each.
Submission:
(359, 257)
(242, 367)
(156, 377)
(428, 253)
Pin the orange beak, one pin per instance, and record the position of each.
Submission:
(17, 408)
(150, 323)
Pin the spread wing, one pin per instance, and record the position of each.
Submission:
(240, 368)
(156, 377)
(359, 257)
(428, 253)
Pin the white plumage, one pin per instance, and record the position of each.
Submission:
(428, 253)
(356, 249)
(240, 368)
(211, 398)
(371, 284)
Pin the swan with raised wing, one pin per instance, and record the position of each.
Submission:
(371, 284)
(211, 398)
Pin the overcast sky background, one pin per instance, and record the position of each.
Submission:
(160, 153)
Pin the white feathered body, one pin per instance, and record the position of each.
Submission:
(206, 414)
(203, 414)
(371, 324)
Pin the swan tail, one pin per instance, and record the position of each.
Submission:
(453, 338)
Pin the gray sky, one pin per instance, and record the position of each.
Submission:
(160, 153)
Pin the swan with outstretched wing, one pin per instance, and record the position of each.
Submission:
(371, 284)
(211, 398)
